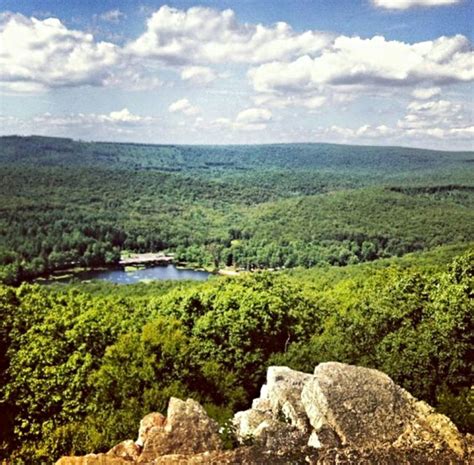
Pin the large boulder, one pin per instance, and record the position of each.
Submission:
(188, 430)
(152, 420)
(280, 400)
(357, 406)
(364, 408)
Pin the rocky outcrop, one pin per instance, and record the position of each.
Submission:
(340, 414)
(187, 431)
(360, 407)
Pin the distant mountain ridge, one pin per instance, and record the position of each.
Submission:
(373, 159)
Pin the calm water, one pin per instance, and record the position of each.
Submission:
(153, 273)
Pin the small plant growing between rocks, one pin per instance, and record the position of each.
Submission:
(282, 417)
(228, 435)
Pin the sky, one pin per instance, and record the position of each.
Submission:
(376, 72)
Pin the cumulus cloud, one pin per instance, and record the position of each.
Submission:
(254, 116)
(205, 35)
(426, 93)
(250, 119)
(138, 79)
(116, 125)
(441, 114)
(365, 132)
(405, 4)
(370, 62)
(198, 75)
(437, 123)
(184, 106)
(39, 54)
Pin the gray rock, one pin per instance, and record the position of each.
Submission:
(280, 399)
(247, 422)
(126, 449)
(188, 430)
(361, 406)
(364, 408)
(148, 422)
(283, 391)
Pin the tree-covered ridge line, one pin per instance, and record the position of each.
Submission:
(81, 364)
(55, 151)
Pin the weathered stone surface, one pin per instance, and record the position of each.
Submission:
(280, 399)
(241, 456)
(148, 422)
(364, 408)
(188, 430)
(429, 427)
(93, 459)
(126, 449)
(383, 456)
(284, 387)
(247, 422)
(361, 406)
(280, 438)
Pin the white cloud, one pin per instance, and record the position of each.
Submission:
(436, 114)
(116, 125)
(254, 116)
(198, 75)
(112, 16)
(363, 133)
(424, 93)
(39, 54)
(125, 116)
(311, 102)
(133, 78)
(370, 62)
(205, 35)
(183, 106)
(436, 124)
(115, 118)
(250, 119)
(405, 4)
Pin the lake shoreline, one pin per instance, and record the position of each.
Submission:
(123, 274)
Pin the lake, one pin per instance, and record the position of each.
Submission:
(120, 276)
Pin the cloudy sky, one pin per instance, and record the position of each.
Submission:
(384, 72)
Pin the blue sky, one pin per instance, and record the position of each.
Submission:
(384, 72)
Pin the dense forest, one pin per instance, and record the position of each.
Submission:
(65, 203)
(82, 363)
(362, 255)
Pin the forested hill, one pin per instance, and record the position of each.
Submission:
(385, 161)
(65, 202)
